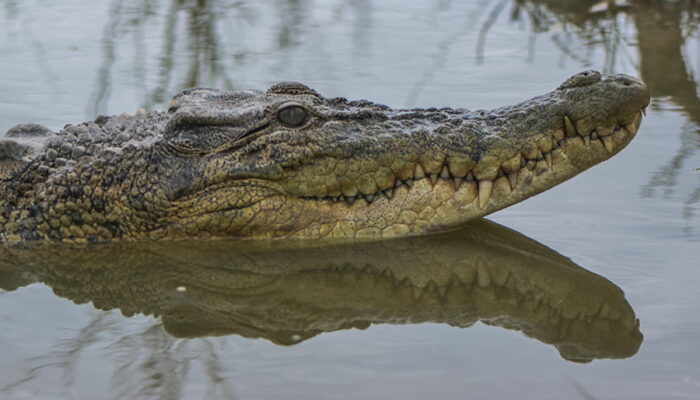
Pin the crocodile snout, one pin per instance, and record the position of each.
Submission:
(624, 89)
(630, 94)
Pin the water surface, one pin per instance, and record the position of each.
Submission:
(488, 311)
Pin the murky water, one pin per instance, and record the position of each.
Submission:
(535, 310)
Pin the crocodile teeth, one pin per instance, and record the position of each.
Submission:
(633, 126)
(608, 142)
(418, 173)
(351, 199)
(444, 173)
(458, 182)
(389, 193)
(570, 127)
(369, 198)
(587, 140)
(409, 182)
(513, 180)
(594, 135)
(485, 187)
(433, 178)
(548, 159)
(619, 135)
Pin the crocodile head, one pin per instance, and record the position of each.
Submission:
(290, 163)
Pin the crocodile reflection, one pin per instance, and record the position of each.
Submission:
(287, 293)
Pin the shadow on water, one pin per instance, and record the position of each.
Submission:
(290, 292)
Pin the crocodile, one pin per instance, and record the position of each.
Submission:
(290, 163)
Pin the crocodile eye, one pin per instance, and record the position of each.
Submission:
(293, 116)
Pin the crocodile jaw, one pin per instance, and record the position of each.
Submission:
(434, 202)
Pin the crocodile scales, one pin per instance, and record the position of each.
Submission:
(289, 163)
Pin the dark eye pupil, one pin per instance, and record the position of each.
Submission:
(292, 116)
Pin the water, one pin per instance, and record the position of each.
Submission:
(73, 323)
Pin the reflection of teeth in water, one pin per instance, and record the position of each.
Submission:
(471, 282)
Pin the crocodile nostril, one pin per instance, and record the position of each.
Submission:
(626, 81)
(173, 106)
